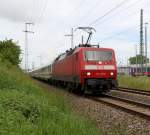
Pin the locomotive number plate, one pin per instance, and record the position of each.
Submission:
(100, 74)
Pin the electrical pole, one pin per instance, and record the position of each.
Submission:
(141, 40)
(71, 35)
(26, 44)
(146, 43)
(136, 58)
(82, 39)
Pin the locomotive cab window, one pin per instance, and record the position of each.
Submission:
(98, 55)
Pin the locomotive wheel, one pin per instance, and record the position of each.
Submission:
(69, 87)
(96, 92)
(106, 88)
(53, 82)
(82, 90)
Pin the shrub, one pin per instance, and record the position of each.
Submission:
(10, 51)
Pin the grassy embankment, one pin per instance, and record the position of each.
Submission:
(26, 109)
(141, 82)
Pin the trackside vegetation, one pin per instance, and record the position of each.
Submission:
(26, 109)
(140, 82)
(10, 52)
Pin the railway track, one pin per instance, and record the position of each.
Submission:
(135, 91)
(128, 105)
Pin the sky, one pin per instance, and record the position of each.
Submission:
(116, 23)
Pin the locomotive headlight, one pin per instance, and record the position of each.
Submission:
(88, 73)
(111, 73)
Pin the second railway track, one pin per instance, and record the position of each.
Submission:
(135, 91)
(128, 105)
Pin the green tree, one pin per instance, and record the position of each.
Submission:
(10, 51)
(138, 59)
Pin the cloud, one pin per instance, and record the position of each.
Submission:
(20, 10)
(54, 18)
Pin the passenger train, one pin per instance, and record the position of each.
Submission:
(84, 68)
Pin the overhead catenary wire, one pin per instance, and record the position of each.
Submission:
(41, 6)
(37, 8)
(44, 9)
(122, 32)
(130, 6)
(91, 9)
(119, 33)
(78, 6)
(109, 12)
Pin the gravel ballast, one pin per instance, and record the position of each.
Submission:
(110, 120)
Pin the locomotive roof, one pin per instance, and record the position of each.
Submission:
(91, 48)
(77, 49)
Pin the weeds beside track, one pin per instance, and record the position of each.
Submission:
(27, 109)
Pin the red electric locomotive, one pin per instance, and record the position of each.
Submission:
(86, 68)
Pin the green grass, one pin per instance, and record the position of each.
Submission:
(26, 109)
(141, 82)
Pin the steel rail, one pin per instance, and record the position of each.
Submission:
(135, 91)
(140, 109)
(130, 101)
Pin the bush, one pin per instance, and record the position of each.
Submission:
(10, 51)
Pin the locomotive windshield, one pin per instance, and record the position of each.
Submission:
(98, 55)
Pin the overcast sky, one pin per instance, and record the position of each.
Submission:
(54, 18)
